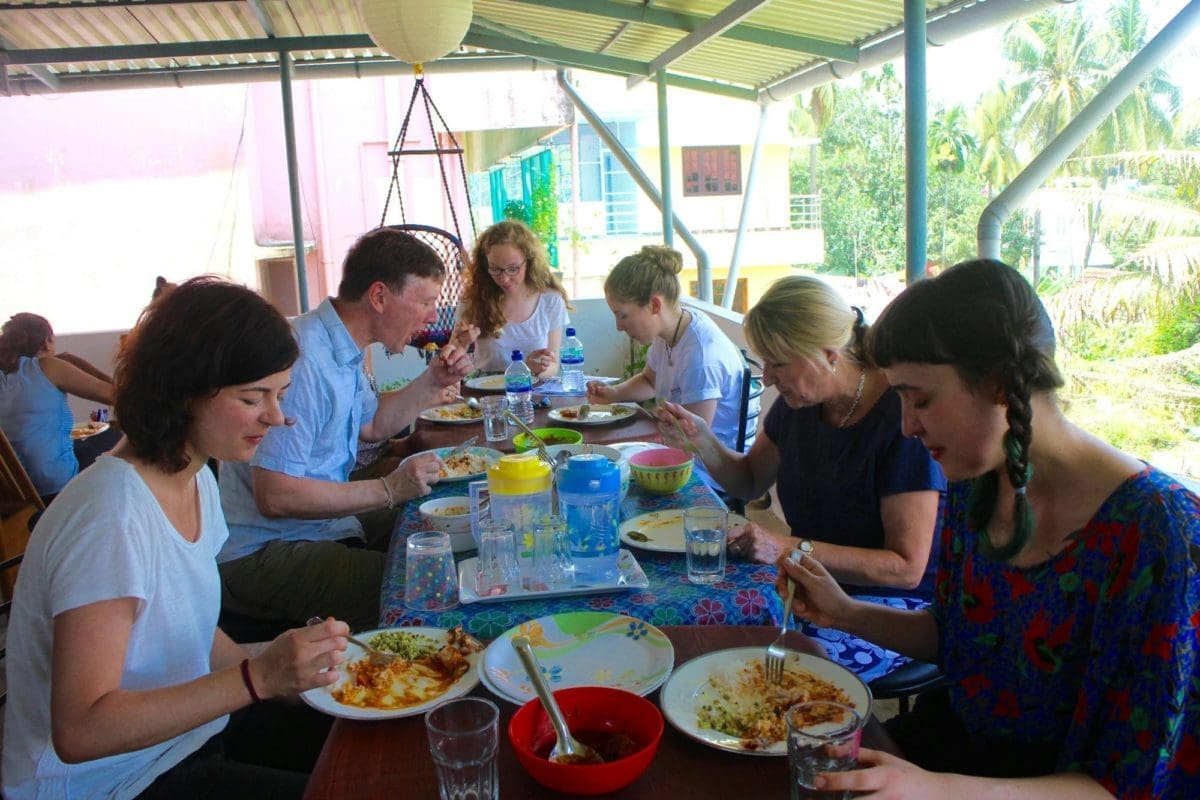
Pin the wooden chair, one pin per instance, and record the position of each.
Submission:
(20, 504)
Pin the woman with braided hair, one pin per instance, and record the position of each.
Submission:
(1065, 613)
(854, 491)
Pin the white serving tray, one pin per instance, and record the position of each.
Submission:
(631, 577)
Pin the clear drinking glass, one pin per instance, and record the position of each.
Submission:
(464, 736)
(822, 737)
(495, 423)
(552, 564)
(430, 579)
(704, 531)
(497, 569)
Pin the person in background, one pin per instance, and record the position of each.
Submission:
(512, 301)
(120, 684)
(855, 491)
(34, 384)
(690, 361)
(303, 540)
(1065, 615)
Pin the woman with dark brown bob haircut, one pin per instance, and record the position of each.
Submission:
(120, 682)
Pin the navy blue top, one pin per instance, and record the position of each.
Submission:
(831, 479)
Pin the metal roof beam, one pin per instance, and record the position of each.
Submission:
(675, 20)
(135, 52)
(264, 19)
(729, 16)
(43, 74)
(91, 5)
(478, 37)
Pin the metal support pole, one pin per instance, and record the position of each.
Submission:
(735, 261)
(664, 158)
(703, 267)
(916, 142)
(1077, 130)
(289, 138)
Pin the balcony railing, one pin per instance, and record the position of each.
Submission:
(805, 211)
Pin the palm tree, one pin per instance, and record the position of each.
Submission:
(951, 144)
(1143, 120)
(994, 124)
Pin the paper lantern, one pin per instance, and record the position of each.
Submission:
(417, 31)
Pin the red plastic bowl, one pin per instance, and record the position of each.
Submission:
(594, 709)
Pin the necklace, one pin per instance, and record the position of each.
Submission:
(862, 381)
(674, 340)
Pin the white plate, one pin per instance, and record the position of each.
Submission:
(581, 648)
(322, 698)
(631, 577)
(444, 415)
(88, 430)
(664, 529)
(598, 415)
(492, 456)
(688, 689)
(489, 383)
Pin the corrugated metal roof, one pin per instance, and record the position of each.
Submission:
(765, 44)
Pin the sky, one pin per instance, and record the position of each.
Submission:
(960, 71)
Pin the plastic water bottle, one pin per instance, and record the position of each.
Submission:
(518, 386)
(571, 357)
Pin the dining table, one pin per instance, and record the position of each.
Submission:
(390, 758)
(746, 596)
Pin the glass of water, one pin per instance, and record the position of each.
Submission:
(495, 423)
(704, 530)
(430, 579)
(464, 736)
(822, 737)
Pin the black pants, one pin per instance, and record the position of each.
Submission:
(265, 753)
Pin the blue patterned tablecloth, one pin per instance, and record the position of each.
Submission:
(746, 597)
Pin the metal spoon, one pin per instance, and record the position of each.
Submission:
(378, 657)
(568, 749)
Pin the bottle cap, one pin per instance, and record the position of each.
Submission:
(522, 473)
(570, 331)
(516, 356)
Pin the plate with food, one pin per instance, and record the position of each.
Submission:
(470, 464)
(88, 429)
(435, 665)
(662, 531)
(724, 699)
(489, 383)
(581, 648)
(453, 414)
(598, 414)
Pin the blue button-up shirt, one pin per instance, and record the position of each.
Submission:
(331, 400)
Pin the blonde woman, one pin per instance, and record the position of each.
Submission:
(514, 301)
(690, 361)
(854, 491)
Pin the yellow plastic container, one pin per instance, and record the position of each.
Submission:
(520, 487)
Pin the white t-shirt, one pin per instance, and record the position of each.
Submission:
(550, 313)
(106, 537)
(706, 366)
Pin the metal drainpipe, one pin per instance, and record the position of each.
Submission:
(1090, 116)
(289, 138)
(664, 158)
(916, 143)
(735, 260)
(703, 267)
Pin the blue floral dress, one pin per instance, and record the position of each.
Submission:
(1091, 657)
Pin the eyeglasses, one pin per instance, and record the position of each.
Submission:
(496, 272)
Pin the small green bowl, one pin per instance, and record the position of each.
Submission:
(522, 443)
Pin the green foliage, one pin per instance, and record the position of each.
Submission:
(1176, 327)
(637, 358)
(516, 209)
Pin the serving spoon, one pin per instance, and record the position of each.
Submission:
(568, 749)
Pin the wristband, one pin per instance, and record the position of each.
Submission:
(391, 498)
(249, 683)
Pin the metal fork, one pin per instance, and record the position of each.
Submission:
(462, 448)
(776, 652)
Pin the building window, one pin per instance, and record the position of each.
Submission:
(712, 170)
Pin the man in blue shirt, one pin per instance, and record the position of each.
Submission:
(295, 547)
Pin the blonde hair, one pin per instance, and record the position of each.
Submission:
(482, 297)
(652, 270)
(800, 316)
